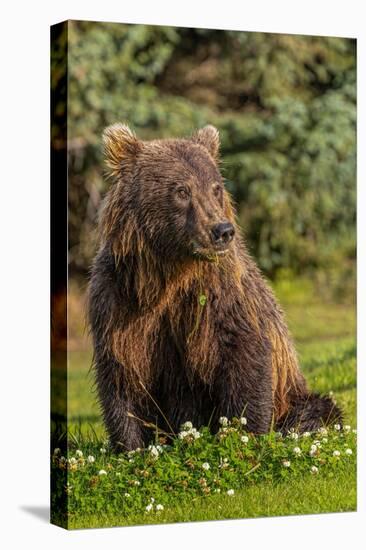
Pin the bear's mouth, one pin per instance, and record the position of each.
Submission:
(209, 254)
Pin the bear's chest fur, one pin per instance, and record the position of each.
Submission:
(187, 325)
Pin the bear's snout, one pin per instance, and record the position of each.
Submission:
(222, 233)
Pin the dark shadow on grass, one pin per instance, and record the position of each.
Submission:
(40, 512)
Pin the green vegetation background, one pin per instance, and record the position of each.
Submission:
(285, 106)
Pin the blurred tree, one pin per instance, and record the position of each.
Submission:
(285, 106)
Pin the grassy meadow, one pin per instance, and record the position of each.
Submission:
(229, 475)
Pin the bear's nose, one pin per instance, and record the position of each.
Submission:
(223, 233)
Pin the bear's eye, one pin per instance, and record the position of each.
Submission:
(217, 190)
(183, 193)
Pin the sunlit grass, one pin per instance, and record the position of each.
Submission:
(196, 465)
(312, 495)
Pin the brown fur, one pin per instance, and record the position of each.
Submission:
(149, 235)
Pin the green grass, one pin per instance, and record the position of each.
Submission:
(324, 334)
(248, 473)
(308, 496)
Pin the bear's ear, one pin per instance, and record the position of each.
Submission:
(121, 147)
(209, 138)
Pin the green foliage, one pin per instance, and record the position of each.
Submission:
(195, 465)
(286, 110)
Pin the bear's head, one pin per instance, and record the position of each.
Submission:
(173, 191)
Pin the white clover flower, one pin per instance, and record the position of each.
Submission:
(79, 453)
(323, 431)
(153, 451)
(297, 451)
(187, 425)
(294, 435)
(347, 428)
(243, 421)
(223, 421)
(190, 432)
(57, 451)
(127, 495)
(230, 492)
(337, 427)
(306, 434)
(286, 463)
(136, 482)
(348, 451)
(72, 460)
(159, 507)
(244, 438)
(313, 450)
(149, 507)
(159, 448)
(103, 451)
(102, 473)
(317, 443)
(314, 470)
(131, 453)
(336, 453)
(91, 459)
(206, 466)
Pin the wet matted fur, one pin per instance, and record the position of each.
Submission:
(183, 324)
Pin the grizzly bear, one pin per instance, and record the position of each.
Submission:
(184, 325)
